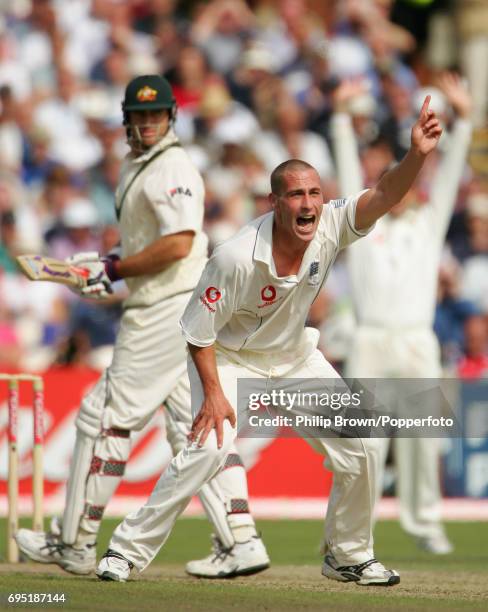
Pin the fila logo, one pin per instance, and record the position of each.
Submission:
(268, 293)
(181, 190)
(338, 203)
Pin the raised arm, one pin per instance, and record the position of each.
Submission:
(344, 142)
(448, 174)
(395, 183)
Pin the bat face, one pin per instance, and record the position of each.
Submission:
(40, 268)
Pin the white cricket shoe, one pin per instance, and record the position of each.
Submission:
(114, 566)
(437, 545)
(242, 559)
(370, 573)
(48, 548)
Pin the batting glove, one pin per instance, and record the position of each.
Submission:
(99, 282)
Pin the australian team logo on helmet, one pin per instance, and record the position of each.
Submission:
(147, 92)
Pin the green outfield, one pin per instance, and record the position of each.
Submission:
(456, 582)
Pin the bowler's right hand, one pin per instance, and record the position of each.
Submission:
(214, 411)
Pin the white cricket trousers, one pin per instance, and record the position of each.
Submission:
(409, 353)
(354, 462)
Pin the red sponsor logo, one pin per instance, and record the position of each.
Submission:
(213, 294)
(268, 295)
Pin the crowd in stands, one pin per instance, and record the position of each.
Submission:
(256, 83)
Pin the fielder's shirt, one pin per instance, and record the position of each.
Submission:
(242, 305)
(394, 270)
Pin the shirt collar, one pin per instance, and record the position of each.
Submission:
(263, 249)
(168, 139)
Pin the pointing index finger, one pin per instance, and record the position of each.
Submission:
(425, 108)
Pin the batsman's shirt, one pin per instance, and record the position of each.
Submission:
(242, 305)
(165, 198)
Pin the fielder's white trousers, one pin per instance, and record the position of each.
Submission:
(354, 462)
(410, 353)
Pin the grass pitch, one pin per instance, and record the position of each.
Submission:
(455, 582)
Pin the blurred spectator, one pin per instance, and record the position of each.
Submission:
(290, 33)
(70, 141)
(10, 348)
(475, 362)
(452, 313)
(289, 139)
(79, 221)
(223, 120)
(221, 29)
(10, 134)
(472, 19)
(253, 82)
(13, 74)
(103, 182)
(90, 334)
(8, 242)
(59, 188)
(475, 279)
(36, 162)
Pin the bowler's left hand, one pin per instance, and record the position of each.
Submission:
(427, 130)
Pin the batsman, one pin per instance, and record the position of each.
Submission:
(160, 206)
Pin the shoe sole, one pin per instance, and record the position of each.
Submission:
(110, 577)
(392, 580)
(247, 571)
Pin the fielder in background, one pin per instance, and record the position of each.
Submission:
(282, 259)
(159, 204)
(393, 276)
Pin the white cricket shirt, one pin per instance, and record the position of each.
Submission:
(242, 304)
(166, 198)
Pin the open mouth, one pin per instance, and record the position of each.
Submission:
(306, 221)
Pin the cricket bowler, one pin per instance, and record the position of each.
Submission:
(281, 258)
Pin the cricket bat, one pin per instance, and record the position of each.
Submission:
(40, 268)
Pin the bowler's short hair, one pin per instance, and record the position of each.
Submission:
(288, 166)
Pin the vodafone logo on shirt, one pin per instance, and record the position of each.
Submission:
(211, 295)
(268, 295)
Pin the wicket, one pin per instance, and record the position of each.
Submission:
(13, 460)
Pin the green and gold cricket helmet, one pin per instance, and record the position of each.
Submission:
(148, 92)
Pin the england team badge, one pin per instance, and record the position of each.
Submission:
(313, 274)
